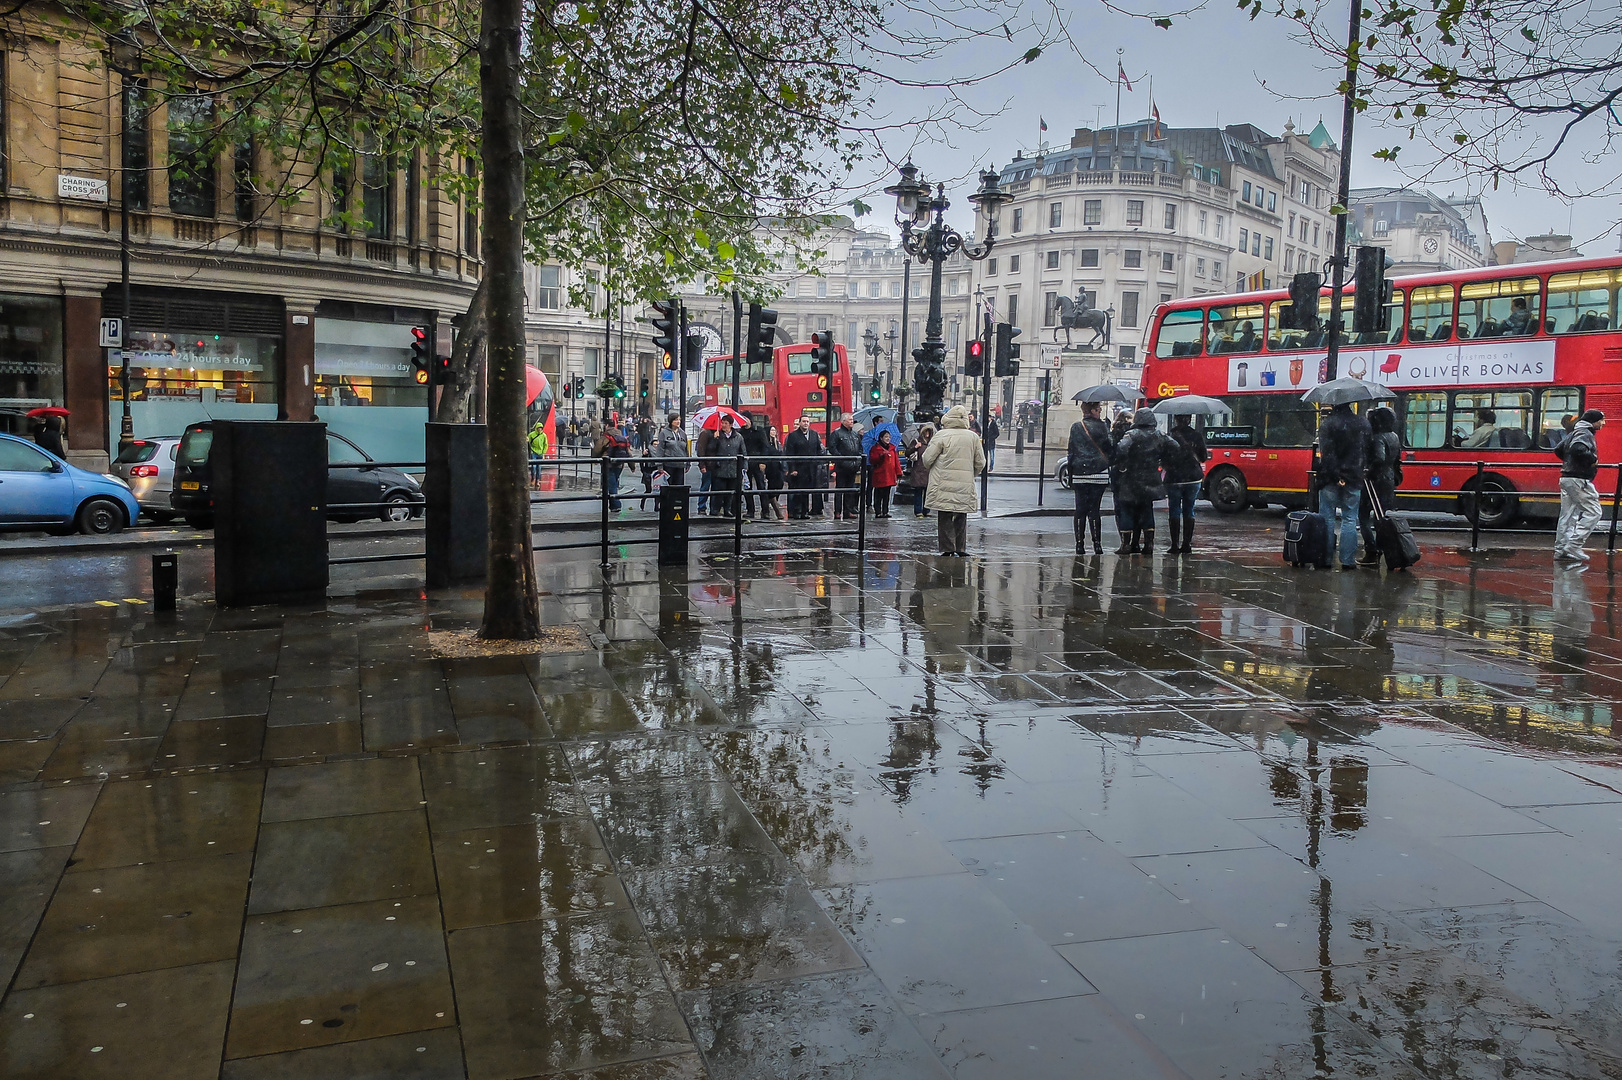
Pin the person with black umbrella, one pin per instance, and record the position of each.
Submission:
(1185, 472)
(1344, 439)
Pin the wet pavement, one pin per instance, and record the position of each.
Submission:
(893, 816)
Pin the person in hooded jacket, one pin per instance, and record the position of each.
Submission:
(756, 444)
(1185, 472)
(1091, 448)
(1385, 473)
(1579, 501)
(846, 442)
(954, 458)
(1138, 460)
(1343, 461)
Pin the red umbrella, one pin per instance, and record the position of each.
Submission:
(534, 382)
(49, 410)
(709, 417)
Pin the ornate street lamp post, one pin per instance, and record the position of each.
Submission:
(124, 58)
(933, 245)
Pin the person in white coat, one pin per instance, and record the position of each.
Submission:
(954, 459)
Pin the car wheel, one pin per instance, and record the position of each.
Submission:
(1499, 506)
(1228, 491)
(397, 507)
(100, 517)
(200, 521)
(1064, 474)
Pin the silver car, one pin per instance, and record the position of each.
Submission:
(148, 467)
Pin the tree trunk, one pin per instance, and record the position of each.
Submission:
(455, 401)
(511, 602)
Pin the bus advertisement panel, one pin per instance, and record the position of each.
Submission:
(1486, 365)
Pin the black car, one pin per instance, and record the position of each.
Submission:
(399, 492)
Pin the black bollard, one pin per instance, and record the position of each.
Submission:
(165, 580)
(673, 525)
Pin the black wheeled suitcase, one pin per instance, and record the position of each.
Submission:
(1306, 540)
(1392, 535)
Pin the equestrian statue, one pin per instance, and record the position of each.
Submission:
(1077, 314)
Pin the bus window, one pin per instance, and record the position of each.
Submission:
(1288, 422)
(1180, 334)
(1424, 412)
(1583, 301)
(800, 363)
(1492, 419)
(1236, 328)
(1554, 405)
(1279, 339)
(1393, 322)
(1499, 308)
(1430, 314)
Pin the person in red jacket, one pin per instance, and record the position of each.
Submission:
(886, 470)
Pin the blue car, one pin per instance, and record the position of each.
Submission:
(39, 490)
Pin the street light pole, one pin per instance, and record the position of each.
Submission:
(124, 44)
(1343, 193)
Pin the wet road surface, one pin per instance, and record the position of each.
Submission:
(1022, 815)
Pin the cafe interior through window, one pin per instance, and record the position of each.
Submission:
(205, 368)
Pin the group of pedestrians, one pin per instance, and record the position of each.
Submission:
(1141, 465)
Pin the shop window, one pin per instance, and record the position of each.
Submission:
(1180, 334)
(193, 173)
(30, 357)
(1584, 301)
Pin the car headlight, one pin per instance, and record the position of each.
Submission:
(412, 480)
(116, 479)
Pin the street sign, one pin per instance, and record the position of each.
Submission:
(112, 333)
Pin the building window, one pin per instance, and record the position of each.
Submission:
(822, 288)
(1165, 298)
(1171, 215)
(1132, 259)
(588, 363)
(1092, 212)
(1089, 258)
(1019, 219)
(1199, 267)
(1129, 354)
(1053, 260)
(1129, 310)
(875, 289)
(1272, 202)
(1244, 239)
(1268, 249)
(377, 191)
(1134, 211)
(952, 287)
(1216, 269)
(1314, 234)
(822, 322)
(246, 207)
(1050, 309)
(1246, 196)
(549, 291)
(193, 183)
(850, 334)
(1203, 215)
(549, 358)
(1219, 223)
(1167, 262)
(1055, 215)
(918, 286)
(137, 147)
(1013, 309)
(913, 331)
(991, 267)
(1290, 230)
(1256, 244)
(1289, 259)
(1261, 196)
(470, 213)
(855, 289)
(895, 290)
(1013, 264)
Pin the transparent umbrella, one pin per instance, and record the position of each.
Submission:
(1346, 391)
(1192, 405)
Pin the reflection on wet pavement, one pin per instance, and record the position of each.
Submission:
(1017, 816)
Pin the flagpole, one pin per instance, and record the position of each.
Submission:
(1115, 143)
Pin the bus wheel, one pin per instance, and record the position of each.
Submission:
(1499, 504)
(1228, 491)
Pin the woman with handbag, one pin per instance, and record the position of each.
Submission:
(1089, 456)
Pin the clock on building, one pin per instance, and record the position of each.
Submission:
(1431, 244)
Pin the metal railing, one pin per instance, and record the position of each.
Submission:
(416, 506)
(1472, 494)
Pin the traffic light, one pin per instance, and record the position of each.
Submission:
(619, 385)
(442, 369)
(668, 361)
(1369, 303)
(822, 355)
(762, 321)
(579, 387)
(876, 393)
(694, 352)
(1006, 359)
(974, 366)
(644, 386)
(1302, 313)
(666, 319)
(568, 389)
(421, 359)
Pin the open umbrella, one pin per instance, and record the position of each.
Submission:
(1346, 390)
(870, 437)
(1105, 392)
(871, 414)
(48, 410)
(1191, 405)
(709, 417)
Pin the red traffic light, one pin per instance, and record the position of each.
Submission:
(977, 348)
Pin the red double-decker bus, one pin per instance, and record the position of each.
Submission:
(783, 390)
(1485, 364)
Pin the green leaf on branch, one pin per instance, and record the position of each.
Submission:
(1032, 53)
(725, 250)
(858, 207)
(1164, 24)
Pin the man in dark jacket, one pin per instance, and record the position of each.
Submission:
(706, 476)
(724, 449)
(845, 442)
(1343, 462)
(1579, 501)
(992, 432)
(757, 444)
(1138, 458)
(1089, 458)
(802, 443)
(1385, 469)
(1185, 472)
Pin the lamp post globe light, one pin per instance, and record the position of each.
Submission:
(927, 238)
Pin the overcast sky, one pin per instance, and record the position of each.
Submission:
(1213, 67)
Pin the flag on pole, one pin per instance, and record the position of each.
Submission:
(1154, 111)
(1120, 73)
(1044, 122)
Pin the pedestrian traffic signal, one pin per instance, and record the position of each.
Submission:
(1005, 360)
(974, 366)
(666, 319)
(420, 357)
(762, 326)
(1370, 303)
(822, 355)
